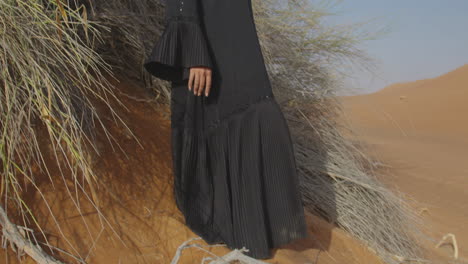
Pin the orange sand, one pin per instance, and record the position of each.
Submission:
(420, 130)
(144, 225)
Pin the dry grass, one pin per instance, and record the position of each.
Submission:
(338, 181)
(51, 81)
(54, 56)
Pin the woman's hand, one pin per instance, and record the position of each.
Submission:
(200, 80)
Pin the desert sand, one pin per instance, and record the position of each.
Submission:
(142, 223)
(419, 130)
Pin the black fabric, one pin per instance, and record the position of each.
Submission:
(235, 175)
(182, 44)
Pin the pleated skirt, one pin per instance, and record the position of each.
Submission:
(236, 182)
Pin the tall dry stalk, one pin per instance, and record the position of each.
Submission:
(51, 79)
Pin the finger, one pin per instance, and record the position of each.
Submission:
(194, 88)
(208, 83)
(191, 78)
(202, 83)
(195, 85)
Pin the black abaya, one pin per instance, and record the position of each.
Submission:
(235, 176)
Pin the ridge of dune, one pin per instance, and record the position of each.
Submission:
(421, 108)
(456, 79)
(402, 86)
(459, 74)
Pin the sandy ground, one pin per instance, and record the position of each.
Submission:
(142, 224)
(420, 131)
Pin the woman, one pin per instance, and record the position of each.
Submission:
(235, 177)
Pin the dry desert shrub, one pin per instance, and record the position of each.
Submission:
(56, 54)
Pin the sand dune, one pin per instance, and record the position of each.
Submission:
(144, 224)
(431, 107)
(420, 129)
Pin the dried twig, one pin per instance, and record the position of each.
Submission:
(454, 244)
(21, 245)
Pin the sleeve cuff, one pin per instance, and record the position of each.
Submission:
(181, 46)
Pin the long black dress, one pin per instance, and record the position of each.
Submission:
(235, 173)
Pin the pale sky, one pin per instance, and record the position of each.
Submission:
(427, 38)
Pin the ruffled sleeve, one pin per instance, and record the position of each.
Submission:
(182, 44)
